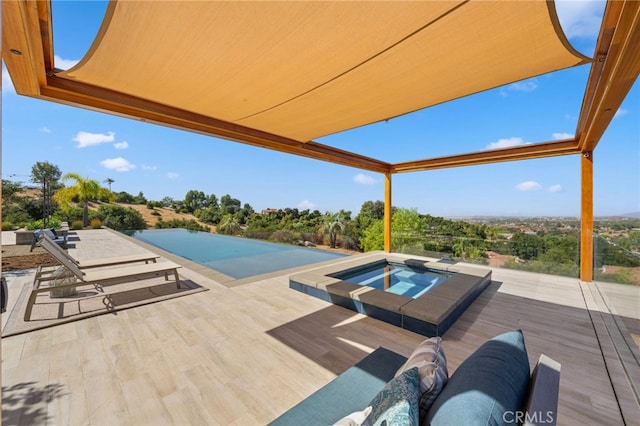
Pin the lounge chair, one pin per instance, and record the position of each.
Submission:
(50, 246)
(38, 234)
(95, 277)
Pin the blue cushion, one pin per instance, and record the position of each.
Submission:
(350, 391)
(397, 402)
(493, 381)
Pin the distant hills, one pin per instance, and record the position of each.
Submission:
(633, 215)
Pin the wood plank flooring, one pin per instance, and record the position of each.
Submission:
(243, 355)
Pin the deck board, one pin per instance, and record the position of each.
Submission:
(245, 354)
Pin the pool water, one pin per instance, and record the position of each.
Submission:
(233, 256)
(396, 278)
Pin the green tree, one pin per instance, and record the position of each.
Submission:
(140, 198)
(373, 236)
(194, 200)
(47, 175)
(84, 190)
(372, 209)
(125, 198)
(408, 229)
(461, 247)
(333, 223)
(229, 205)
(45, 172)
(120, 218)
(9, 191)
(109, 181)
(228, 225)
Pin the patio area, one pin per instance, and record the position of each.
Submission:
(243, 354)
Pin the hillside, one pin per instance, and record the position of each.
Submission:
(165, 214)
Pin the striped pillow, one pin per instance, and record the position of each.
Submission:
(429, 358)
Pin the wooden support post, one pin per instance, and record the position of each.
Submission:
(586, 217)
(387, 212)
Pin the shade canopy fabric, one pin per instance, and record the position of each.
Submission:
(303, 70)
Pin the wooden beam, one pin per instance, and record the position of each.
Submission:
(387, 213)
(22, 45)
(104, 100)
(524, 152)
(613, 74)
(586, 217)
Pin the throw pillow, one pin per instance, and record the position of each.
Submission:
(354, 419)
(429, 358)
(397, 402)
(493, 381)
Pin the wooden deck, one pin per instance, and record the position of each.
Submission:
(242, 355)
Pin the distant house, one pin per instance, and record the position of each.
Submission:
(265, 211)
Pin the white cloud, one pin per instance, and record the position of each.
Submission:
(45, 130)
(561, 135)
(173, 175)
(85, 139)
(121, 145)
(145, 167)
(529, 185)
(555, 188)
(118, 164)
(64, 64)
(306, 204)
(506, 143)
(579, 18)
(620, 112)
(523, 86)
(364, 179)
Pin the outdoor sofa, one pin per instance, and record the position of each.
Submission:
(492, 386)
(39, 234)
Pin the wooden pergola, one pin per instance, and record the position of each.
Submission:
(278, 74)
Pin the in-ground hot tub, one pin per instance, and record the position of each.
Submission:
(396, 278)
(420, 295)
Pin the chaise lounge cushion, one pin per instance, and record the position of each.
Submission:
(493, 381)
(397, 402)
(429, 358)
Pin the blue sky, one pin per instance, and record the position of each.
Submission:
(163, 162)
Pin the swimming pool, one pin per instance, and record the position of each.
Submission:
(396, 278)
(232, 256)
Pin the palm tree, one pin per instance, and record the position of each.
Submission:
(84, 190)
(460, 247)
(109, 181)
(333, 222)
(228, 225)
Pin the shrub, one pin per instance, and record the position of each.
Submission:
(156, 213)
(190, 225)
(76, 224)
(7, 226)
(284, 236)
(39, 224)
(258, 235)
(346, 242)
(95, 223)
(120, 218)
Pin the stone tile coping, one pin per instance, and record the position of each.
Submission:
(431, 313)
